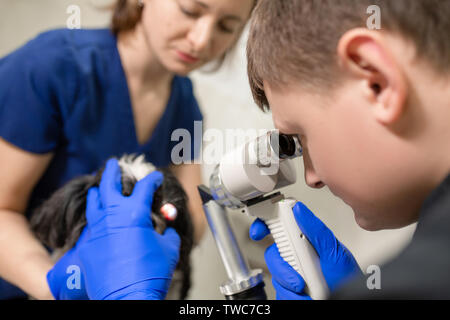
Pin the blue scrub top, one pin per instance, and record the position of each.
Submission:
(66, 92)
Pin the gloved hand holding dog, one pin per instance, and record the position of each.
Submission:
(65, 279)
(121, 256)
(336, 261)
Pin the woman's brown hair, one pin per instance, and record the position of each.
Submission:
(126, 14)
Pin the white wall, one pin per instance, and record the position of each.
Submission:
(226, 103)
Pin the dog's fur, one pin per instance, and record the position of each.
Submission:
(59, 221)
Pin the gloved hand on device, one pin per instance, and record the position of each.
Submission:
(120, 254)
(336, 261)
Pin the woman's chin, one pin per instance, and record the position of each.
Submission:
(180, 68)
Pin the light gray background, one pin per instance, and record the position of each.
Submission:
(226, 103)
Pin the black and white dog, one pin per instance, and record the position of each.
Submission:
(59, 221)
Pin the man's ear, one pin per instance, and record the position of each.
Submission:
(364, 55)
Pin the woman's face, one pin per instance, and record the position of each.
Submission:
(186, 34)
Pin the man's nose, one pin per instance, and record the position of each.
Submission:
(311, 178)
(201, 35)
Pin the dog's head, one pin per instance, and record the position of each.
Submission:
(59, 221)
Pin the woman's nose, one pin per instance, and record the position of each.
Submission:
(201, 34)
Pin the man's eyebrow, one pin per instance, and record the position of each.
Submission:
(231, 17)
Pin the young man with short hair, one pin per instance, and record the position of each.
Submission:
(372, 111)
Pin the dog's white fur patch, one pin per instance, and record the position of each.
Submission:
(136, 167)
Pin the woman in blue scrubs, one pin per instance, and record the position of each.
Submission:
(70, 99)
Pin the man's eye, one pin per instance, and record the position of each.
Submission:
(300, 140)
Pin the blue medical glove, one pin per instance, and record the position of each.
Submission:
(336, 261)
(65, 279)
(123, 256)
